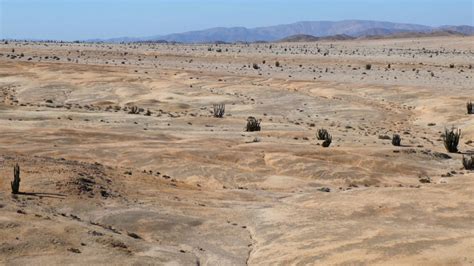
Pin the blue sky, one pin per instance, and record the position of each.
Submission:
(86, 19)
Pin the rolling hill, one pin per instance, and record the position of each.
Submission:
(353, 28)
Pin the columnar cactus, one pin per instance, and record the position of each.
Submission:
(16, 180)
(468, 162)
(322, 134)
(451, 139)
(219, 110)
(396, 140)
(470, 108)
(253, 124)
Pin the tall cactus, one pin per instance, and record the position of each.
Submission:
(396, 140)
(451, 139)
(219, 110)
(470, 108)
(253, 124)
(468, 162)
(322, 134)
(16, 180)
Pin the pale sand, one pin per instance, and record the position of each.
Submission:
(219, 197)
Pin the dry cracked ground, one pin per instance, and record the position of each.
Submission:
(172, 185)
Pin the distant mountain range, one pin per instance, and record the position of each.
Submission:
(317, 29)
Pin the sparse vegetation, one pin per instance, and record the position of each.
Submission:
(16, 180)
(277, 64)
(255, 66)
(470, 108)
(468, 162)
(322, 134)
(134, 110)
(219, 110)
(327, 141)
(396, 140)
(451, 139)
(253, 124)
(368, 67)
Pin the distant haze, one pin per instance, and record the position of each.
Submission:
(103, 19)
(349, 28)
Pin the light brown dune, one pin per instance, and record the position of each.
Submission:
(180, 187)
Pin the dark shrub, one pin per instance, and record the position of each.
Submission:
(327, 141)
(396, 140)
(470, 108)
(468, 162)
(134, 110)
(322, 134)
(219, 110)
(451, 139)
(16, 180)
(253, 124)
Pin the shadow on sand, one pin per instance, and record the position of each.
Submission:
(42, 195)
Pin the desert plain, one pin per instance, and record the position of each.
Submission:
(122, 161)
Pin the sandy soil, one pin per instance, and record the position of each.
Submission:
(180, 187)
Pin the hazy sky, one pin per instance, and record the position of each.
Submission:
(86, 19)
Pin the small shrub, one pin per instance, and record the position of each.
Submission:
(396, 140)
(134, 110)
(255, 66)
(327, 141)
(368, 67)
(219, 110)
(322, 134)
(16, 180)
(451, 139)
(470, 108)
(468, 162)
(253, 124)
